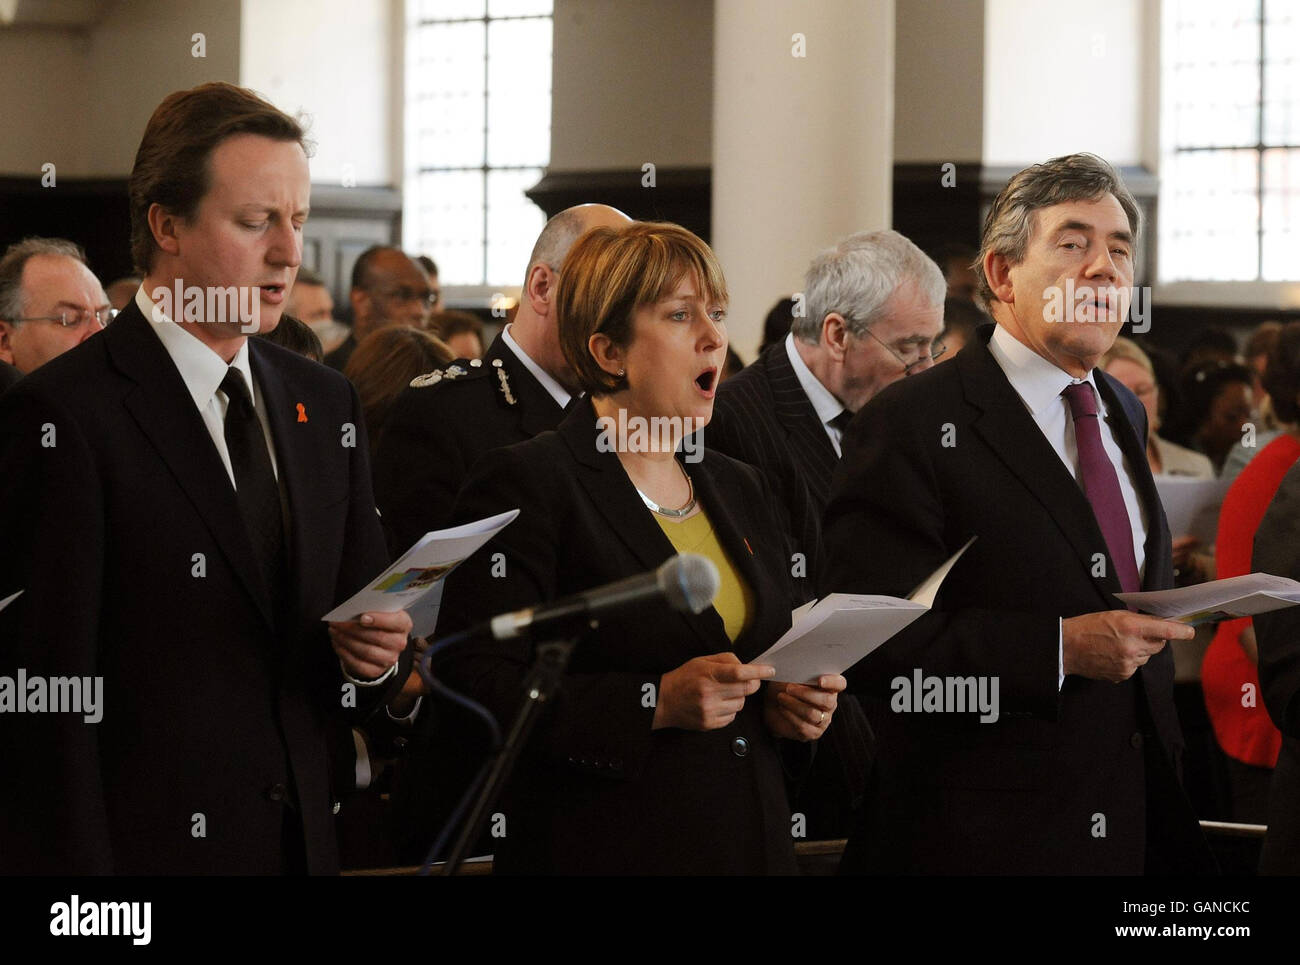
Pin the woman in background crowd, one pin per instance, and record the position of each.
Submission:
(1218, 405)
(461, 331)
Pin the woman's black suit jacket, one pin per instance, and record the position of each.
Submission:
(597, 791)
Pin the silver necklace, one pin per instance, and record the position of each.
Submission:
(664, 510)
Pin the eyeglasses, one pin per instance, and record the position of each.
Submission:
(427, 298)
(80, 319)
(936, 353)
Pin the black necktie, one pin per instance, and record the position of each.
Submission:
(256, 490)
(841, 421)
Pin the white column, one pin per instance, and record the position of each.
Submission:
(803, 122)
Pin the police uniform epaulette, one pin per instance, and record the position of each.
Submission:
(461, 368)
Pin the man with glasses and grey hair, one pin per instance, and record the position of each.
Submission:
(872, 310)
(49, 302)
(1047, 741)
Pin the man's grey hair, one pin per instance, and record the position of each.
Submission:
(15, 260)
(1010, 221)
(858, 277)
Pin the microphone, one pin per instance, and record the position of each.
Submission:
(685, 582)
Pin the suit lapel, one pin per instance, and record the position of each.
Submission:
(1011, 432)
(164, 410)
(612, 493)
(794, 410)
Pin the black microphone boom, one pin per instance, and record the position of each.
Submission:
(685, 582)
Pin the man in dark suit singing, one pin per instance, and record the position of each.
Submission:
(188, 503)
(1025, 725)
(872, 308)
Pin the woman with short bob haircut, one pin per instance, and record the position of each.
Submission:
(663, 751)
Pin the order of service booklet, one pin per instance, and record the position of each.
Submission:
(413, 582)
(1237, 596)
(832, 634)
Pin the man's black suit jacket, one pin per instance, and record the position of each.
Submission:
(763, 416)
(598, 791)
(1277, 551)
(1076, 781)
(9, 377)
(435, 434)
(124, 534)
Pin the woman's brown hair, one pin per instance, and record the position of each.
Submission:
(383, 365)
(608, 274)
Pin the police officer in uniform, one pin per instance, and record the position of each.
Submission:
(448, 418)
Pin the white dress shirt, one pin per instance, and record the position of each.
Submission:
(1039, 383)
(824, 404)
(203, 370)
(556, 391)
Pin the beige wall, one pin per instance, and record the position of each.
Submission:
(632, 83)
(43, 73)
(141, 52)
(80, 97)
(87, 93)
(343, 70)
(939, 80)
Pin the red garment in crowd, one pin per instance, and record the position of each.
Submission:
(1244, 732)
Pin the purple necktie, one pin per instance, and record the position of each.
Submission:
(1101, 485)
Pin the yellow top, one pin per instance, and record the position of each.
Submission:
(735, 600)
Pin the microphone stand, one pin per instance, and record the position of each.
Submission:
(547, 673)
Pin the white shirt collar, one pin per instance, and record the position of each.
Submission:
(200, 367)
(1038, 382)
(553, 388)
(824, 404)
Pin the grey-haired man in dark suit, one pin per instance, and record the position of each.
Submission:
(870, 314)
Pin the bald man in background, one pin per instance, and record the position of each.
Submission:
(448, 418)
(388, 288)
(49, 302)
